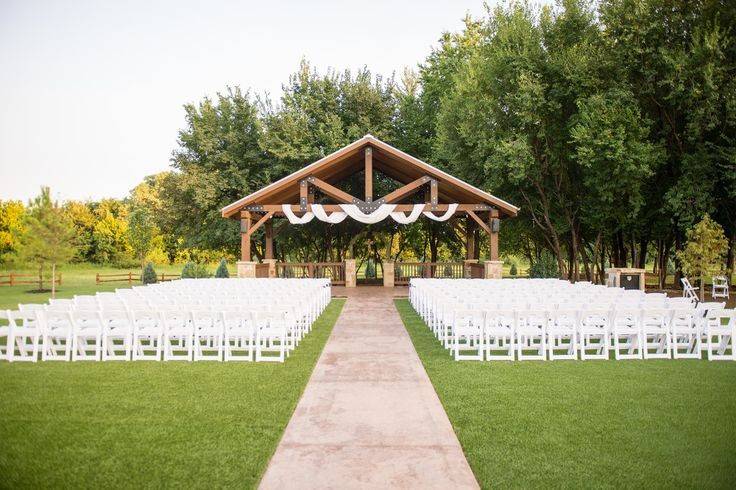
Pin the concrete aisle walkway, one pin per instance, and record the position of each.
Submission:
(369, 417)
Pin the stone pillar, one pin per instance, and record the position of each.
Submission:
(494, 269)
(466, 267)
(271, 267)
(388, 274)
(246, 268)
(351, 275)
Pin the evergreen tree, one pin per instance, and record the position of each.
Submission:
(149, 274)
(222, 271)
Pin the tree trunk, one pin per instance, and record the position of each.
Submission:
(643, 245)
(53, 280)
(702, 289)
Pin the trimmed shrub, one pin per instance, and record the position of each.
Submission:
(188, 271)
(544, 267)
(370, 269)
(149, 275)
(194, 271)
(513, 271)
(222, 271)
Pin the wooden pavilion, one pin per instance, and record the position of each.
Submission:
(294, 195)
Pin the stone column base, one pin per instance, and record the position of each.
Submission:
(246, 269)
(351, 275)
(388, 274)
(493, 269)
(271, 267)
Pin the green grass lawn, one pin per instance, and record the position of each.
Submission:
(79, 279)
(149, 424)
(587, 424)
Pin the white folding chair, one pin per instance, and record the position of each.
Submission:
(562, 331)
(720, 287)
(531, 333)
(56, 332)
(688, 291)
(23, 336)
(685, 334)
(207, 335)
(626, 333)
(467, 330)
(655, 334)
(86, 336)
(720, 329)
(270, 337)
(117, 335)
(594, 332)
(178, 335)
(500, 330)
(147, 335)
(239, 335)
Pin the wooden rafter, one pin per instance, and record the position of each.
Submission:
(333, 191)
(406, 190)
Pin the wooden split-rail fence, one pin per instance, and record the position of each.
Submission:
(13, 279)
(131, 277)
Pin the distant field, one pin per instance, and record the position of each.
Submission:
(78, 279)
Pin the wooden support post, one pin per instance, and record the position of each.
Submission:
(433, 200)
(493, 224)
(469, 238)
(369, 174)
(303, 195)
(245, 237)
(269, 239)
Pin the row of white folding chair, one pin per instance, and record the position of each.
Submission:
(118, 335)
(632, 334)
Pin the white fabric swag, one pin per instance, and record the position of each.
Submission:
(451, 208)
(382, 212)
(334, 218)
(294, 219)
(403, 219)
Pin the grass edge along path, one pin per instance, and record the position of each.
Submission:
(150, 424)
(654, 423)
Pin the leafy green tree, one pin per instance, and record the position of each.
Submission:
(220, 160)
(110, 235)
(149, 274)
(141, 233)
(12, 215)
(83, 219)
(704, 252)
(222, 271)
(48, 239)
(545, 266)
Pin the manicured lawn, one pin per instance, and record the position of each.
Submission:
(78, 279)
(149, 424)
(587, 424)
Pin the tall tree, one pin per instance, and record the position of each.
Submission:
(48, 239)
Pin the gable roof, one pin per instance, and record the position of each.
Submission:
(386, 159)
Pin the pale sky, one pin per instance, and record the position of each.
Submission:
(92, 91)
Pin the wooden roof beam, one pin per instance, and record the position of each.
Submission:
(404, 191)
(276, 208)
(333, 191)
